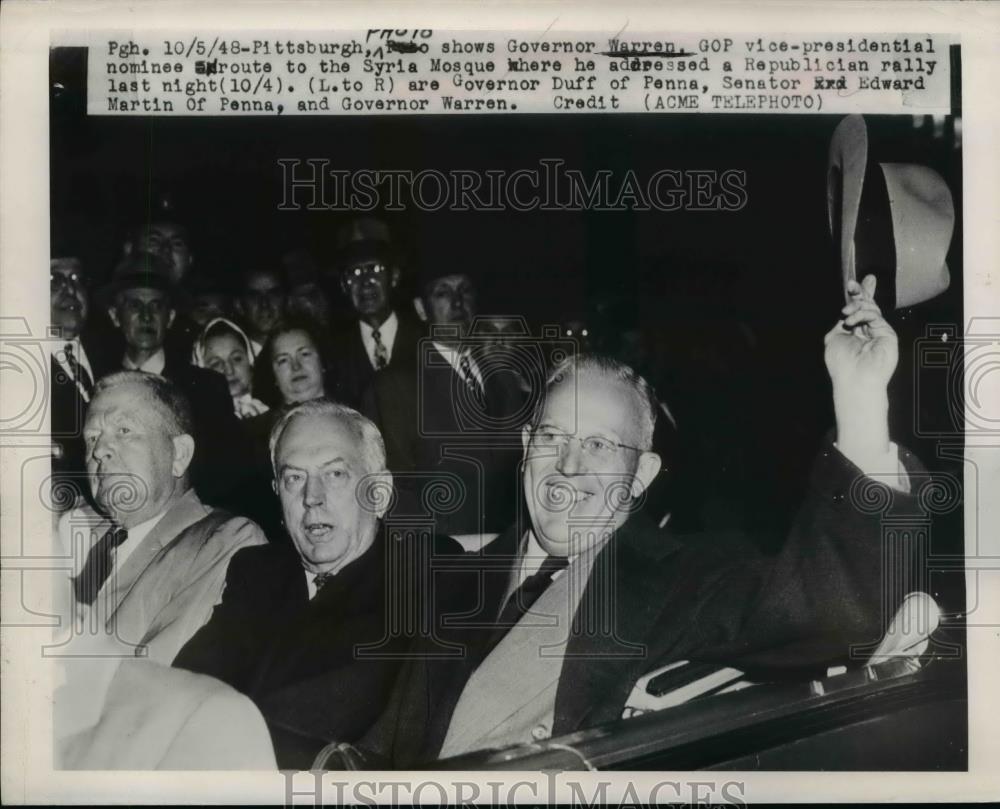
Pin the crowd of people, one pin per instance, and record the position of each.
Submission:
(370, 528)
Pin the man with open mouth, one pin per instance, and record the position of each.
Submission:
(314, 631)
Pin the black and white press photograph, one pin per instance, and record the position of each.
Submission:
(483, 439)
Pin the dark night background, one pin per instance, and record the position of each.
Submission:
(732, 306)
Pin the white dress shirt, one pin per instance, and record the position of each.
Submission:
(154, 365)
(534, 556)
(80, 356)
(387, 335)
(311, 583)
(136, 535)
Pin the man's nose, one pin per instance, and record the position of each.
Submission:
(102, 448)
(570, 460)
(313, 494)
(296, 363)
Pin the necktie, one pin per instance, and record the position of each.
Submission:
(381, 352)
(98, 565)
(320, 579)
(522, 599)
(80, 374)
(465, 367)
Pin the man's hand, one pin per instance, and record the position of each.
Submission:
(861, 356)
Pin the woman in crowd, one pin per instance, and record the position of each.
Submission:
(292, 367)
(224, 347)
(294, 364)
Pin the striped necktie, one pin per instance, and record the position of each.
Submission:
(470, 380)
(80, 375)
(381, 351)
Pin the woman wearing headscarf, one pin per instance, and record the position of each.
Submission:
(224, 347)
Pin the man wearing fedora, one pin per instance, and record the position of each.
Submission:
(79, 359)
(445, 418)
(378, 337)
(142, 301)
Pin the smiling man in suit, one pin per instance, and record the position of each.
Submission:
(306, 630)
(154, 557)
(582, 597)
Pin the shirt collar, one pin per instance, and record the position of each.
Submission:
(455, 356)
(154, 365)
(533, 556)
(136, 535)
(386, 331)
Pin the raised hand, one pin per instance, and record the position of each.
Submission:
(861, 355)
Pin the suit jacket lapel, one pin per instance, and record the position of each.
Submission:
(320, 627)
(182, 514)
(599, 668)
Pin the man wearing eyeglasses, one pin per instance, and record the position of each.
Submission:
(141, 301)
(368, 272)
(78, 360)
(583, 597)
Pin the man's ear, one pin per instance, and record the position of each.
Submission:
(393, 277)
(183, 453)
(170, 318)
(238, 306)
(418, 305)
(525, 436)
(274, 485)
(385, 484)
(113, 314)
(648, 469)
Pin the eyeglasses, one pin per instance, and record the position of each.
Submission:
(363, 272)
(58, 281)
(597, 447)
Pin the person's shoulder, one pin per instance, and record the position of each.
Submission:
(185, 374)
(443, 545)
(267, 560)
(410, 328)
(219, 534)
(344, 332)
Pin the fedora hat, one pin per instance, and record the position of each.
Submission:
(363, 240)
(141, 271)
(893, 220)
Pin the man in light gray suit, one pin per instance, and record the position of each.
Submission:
(152, 565)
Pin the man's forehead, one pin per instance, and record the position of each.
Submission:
(593, 399)
(165, 230)
(453, 280)
(263, 280)
(126, 400)
(66, 265)
(317, 438)
(143, 293)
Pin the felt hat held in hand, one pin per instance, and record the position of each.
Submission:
(893, 220)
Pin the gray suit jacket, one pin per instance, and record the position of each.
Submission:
(168, 585)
